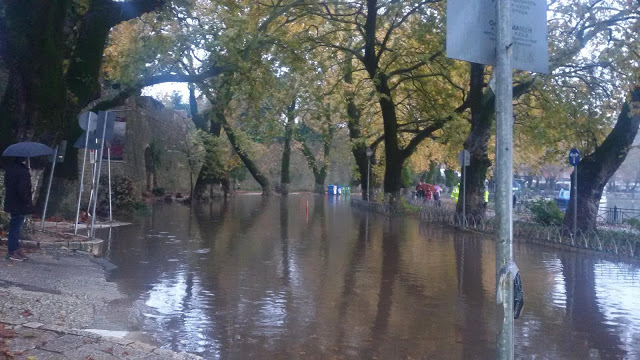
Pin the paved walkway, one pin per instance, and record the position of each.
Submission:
(37, 341)
(44, 299)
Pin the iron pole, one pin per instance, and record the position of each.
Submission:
(464, 188)
(109, 166)
(368, 176)
(575, 200)
(98, 171)
(46, 199)
(84, 163)
(504, 172)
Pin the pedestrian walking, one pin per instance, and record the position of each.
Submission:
(17, 182)
(485, 198)
(456, 193)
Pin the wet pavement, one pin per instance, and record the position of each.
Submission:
(47, 302)
(37, 341)
(265, 278)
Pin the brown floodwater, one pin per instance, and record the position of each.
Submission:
(269, 279)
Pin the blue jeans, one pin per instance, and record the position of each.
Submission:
(15, 225)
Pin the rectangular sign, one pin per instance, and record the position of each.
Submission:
(117, 142)
(472, 27)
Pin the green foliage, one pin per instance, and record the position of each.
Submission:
(158, 191)
(123, 194)
(546, 212)
(433, 175)
(451, 179)
(407, 177)
(408, 208)
(635, 223)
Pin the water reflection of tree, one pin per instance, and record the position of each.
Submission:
(583, 311)
(391, 235)
(474, 333)
(284, 240)
(355, 262)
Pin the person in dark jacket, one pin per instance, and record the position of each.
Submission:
(17, 183)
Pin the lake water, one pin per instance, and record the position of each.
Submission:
(275, 279)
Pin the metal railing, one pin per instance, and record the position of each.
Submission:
(617, 216)
(620, 242)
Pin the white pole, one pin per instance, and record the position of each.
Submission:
(93, 179)
(575, 200)
(504, 172)
(84, 163)
(368, 176)
(98, 171)
(46, 199)
(109, 166)
(464, 188)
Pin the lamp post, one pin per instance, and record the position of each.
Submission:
(369, 154)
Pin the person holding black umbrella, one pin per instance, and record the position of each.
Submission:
(17, 182)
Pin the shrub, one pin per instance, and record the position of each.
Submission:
(123, 194)
(546, 212)
(635, 223)
(4, 218)
(158, 191)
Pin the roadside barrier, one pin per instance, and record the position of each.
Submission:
(616, 241)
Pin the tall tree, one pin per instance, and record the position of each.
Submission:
(290, 118)
(596, 168)
(596, 73)
(398, 44)
(53, 50)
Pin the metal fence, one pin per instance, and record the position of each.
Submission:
(620, 242)
(617, 216)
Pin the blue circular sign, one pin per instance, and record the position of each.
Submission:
(574, 157)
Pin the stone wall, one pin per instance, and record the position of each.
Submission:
(151, 125)
(147, 122)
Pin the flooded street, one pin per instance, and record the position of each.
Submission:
(265, 278)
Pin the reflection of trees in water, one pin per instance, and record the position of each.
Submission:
(284, 239)
(474, 333)
(355, 262)
(583, 311)
(391, 235)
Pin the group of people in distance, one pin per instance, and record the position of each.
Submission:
(429, 192)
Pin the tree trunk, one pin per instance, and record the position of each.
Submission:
(42, 101)
(394, 158)
(477, 143)
(34, 100)
(595, 170)
(482, 116)
(264, 182)
(319, 172)
(358, 142)
(285, 178)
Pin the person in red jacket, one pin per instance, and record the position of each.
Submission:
(420, 190)
(17, 183)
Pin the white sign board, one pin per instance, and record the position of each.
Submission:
(464, 158)
(471, 33)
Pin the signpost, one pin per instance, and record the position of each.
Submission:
(574, 159)
(482, 31)
(472, 33)
(369, 153)
(464, 158)
(87, 122)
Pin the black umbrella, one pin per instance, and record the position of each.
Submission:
(27, 149)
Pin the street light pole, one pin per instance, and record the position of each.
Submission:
(504, 176)
(369, 154)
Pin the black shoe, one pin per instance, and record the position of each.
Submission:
(16, 257)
